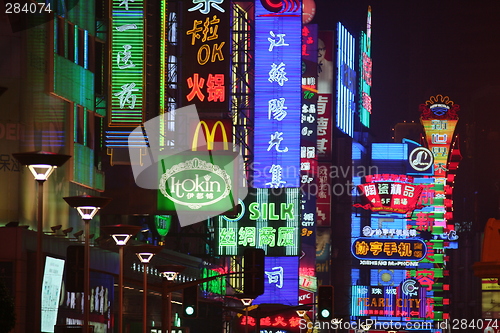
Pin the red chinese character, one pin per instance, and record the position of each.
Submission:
(426, 278)
(196, 84)
(279, 321)
(265, 321)
(247, 321)
(294, 321)
(215, 88)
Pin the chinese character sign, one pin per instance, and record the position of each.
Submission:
(267, 219)
(277, 98)
(394, 197)
(127, 63)
(206, 55)
(389, 249)
(280, 281)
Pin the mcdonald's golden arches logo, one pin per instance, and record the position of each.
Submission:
(214, 139)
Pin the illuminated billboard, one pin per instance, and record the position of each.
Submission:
(408, 300)
(277, 96)
(439, 118)
(365, 65)
(206, 55)
(267, 219)
(127, 63)
(325, 100)
(389, 249)
(196, 183)
(346, 81)
(391, 197)
(389, 193)
(280, 281)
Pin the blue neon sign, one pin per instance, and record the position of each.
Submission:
(346, 80)
(277, 98)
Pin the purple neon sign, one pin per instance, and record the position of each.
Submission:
(277, 98)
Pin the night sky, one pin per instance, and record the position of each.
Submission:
(424, 48)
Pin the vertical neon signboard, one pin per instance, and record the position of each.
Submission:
(277, 96)
(365, 65)
(206, 55)
(127, 63)
(346, 80)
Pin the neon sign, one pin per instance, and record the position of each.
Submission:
(277, 93)
(213, 140)
(393, 197)
(346, 81)
(280, 281)
(389, 249)
(408, 299)
(365, 61)
(127, 51)
(267, 220)
(206, 54)
(200, 183)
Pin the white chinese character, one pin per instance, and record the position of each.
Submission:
(273, 42)
(126, 96)
(321, 145)
(322, 101)
(277, 109)
(276, 141)
(275, 276)
(124, 57)
(125, 2)
(395, 188)
(124, 27)
(276, 175)
(206, 4)
(322, 125)
(278, 74)
(370, 189)
(311, 152)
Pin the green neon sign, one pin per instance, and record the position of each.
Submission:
(127, 62)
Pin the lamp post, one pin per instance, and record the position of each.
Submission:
(87, 206)
(145, 253)
(247, 301)
(169, 272)
(41, 164)
(121, 233)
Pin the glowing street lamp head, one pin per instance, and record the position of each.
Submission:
(87, 205)
(170, 272)
(41, 163)
(121, 239)
(121, 233)
(247, 301)
(145, 252)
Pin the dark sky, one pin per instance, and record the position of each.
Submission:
(424, 48)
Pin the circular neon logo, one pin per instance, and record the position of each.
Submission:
(421, 159)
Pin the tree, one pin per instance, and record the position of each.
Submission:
(7, 310)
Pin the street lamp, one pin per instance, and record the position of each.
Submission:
(247, 301)
(41, 164)
(145, 253)
(87, 206)
(169, 272)
(121, 233)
